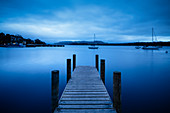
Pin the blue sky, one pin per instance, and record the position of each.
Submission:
(110, 20)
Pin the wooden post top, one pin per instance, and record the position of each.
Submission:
(117, 72)
(55, 71)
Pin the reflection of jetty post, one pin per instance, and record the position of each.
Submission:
(55, 89)
(102, 70)
(117, 91)
(74, 61)
(97, 62)
(68, 69)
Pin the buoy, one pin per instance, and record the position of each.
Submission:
(166, 51)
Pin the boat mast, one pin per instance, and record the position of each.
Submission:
(152, 34)
(94, 37)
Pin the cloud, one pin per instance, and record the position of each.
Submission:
(69, 23)
(81, 22)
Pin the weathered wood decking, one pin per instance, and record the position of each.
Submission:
(85, 93)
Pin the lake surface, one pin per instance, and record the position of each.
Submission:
(25, 76)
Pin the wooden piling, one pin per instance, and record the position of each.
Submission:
(74, 61)
(117, 91)
(55, 89)
(68, 69)
(102, 70)
(97, 62)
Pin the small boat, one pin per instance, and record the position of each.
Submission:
(151, 47)
(137, 47)
(93, 46)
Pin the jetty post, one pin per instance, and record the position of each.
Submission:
(68, 69)
(74, 61)
(117, 91)
(55, 89)
(97, 62)
(102, 70)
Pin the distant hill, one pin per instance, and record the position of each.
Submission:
(81, 42)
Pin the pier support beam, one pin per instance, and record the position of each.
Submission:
(55, 89)
(117, 91)
(102, 70)
(97, 62)
(68, 69)
(74, 61)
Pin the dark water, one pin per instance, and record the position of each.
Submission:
(25, 76)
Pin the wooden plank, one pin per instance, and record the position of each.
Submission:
(86, 111)
(80, 85)
(88, 87)
(101, 87)
(85, 93)
(85, 106)
(85, 96)
(85, 99)
(86, 102)
(85, 89)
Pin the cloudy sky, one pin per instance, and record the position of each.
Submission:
(110, 20)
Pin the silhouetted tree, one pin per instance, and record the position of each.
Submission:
(7, 38)
(2, 35)
(19, 38)
(29, 41)
(37, 41)
(2, 38)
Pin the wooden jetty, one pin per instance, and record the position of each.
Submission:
(85, 93)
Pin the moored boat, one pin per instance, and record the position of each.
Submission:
(93, 46)
(150, 47)
(137, 47)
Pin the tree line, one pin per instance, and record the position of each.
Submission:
(7, 39)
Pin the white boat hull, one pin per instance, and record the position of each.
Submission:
(137, 47)
(93, 47)
(150, 48)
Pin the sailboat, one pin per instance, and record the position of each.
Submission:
(151, 47)
(93, 46)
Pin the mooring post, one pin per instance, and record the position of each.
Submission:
(74, 61)
(102, 70)
(68, 69)
(117, 91)
(55, 89)
(97, 62)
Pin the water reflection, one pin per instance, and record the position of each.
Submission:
(25, 76)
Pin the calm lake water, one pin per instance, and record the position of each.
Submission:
(25, 76)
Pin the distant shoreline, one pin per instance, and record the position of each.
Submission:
(7, 40)
(116, 44)
(62, 44)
